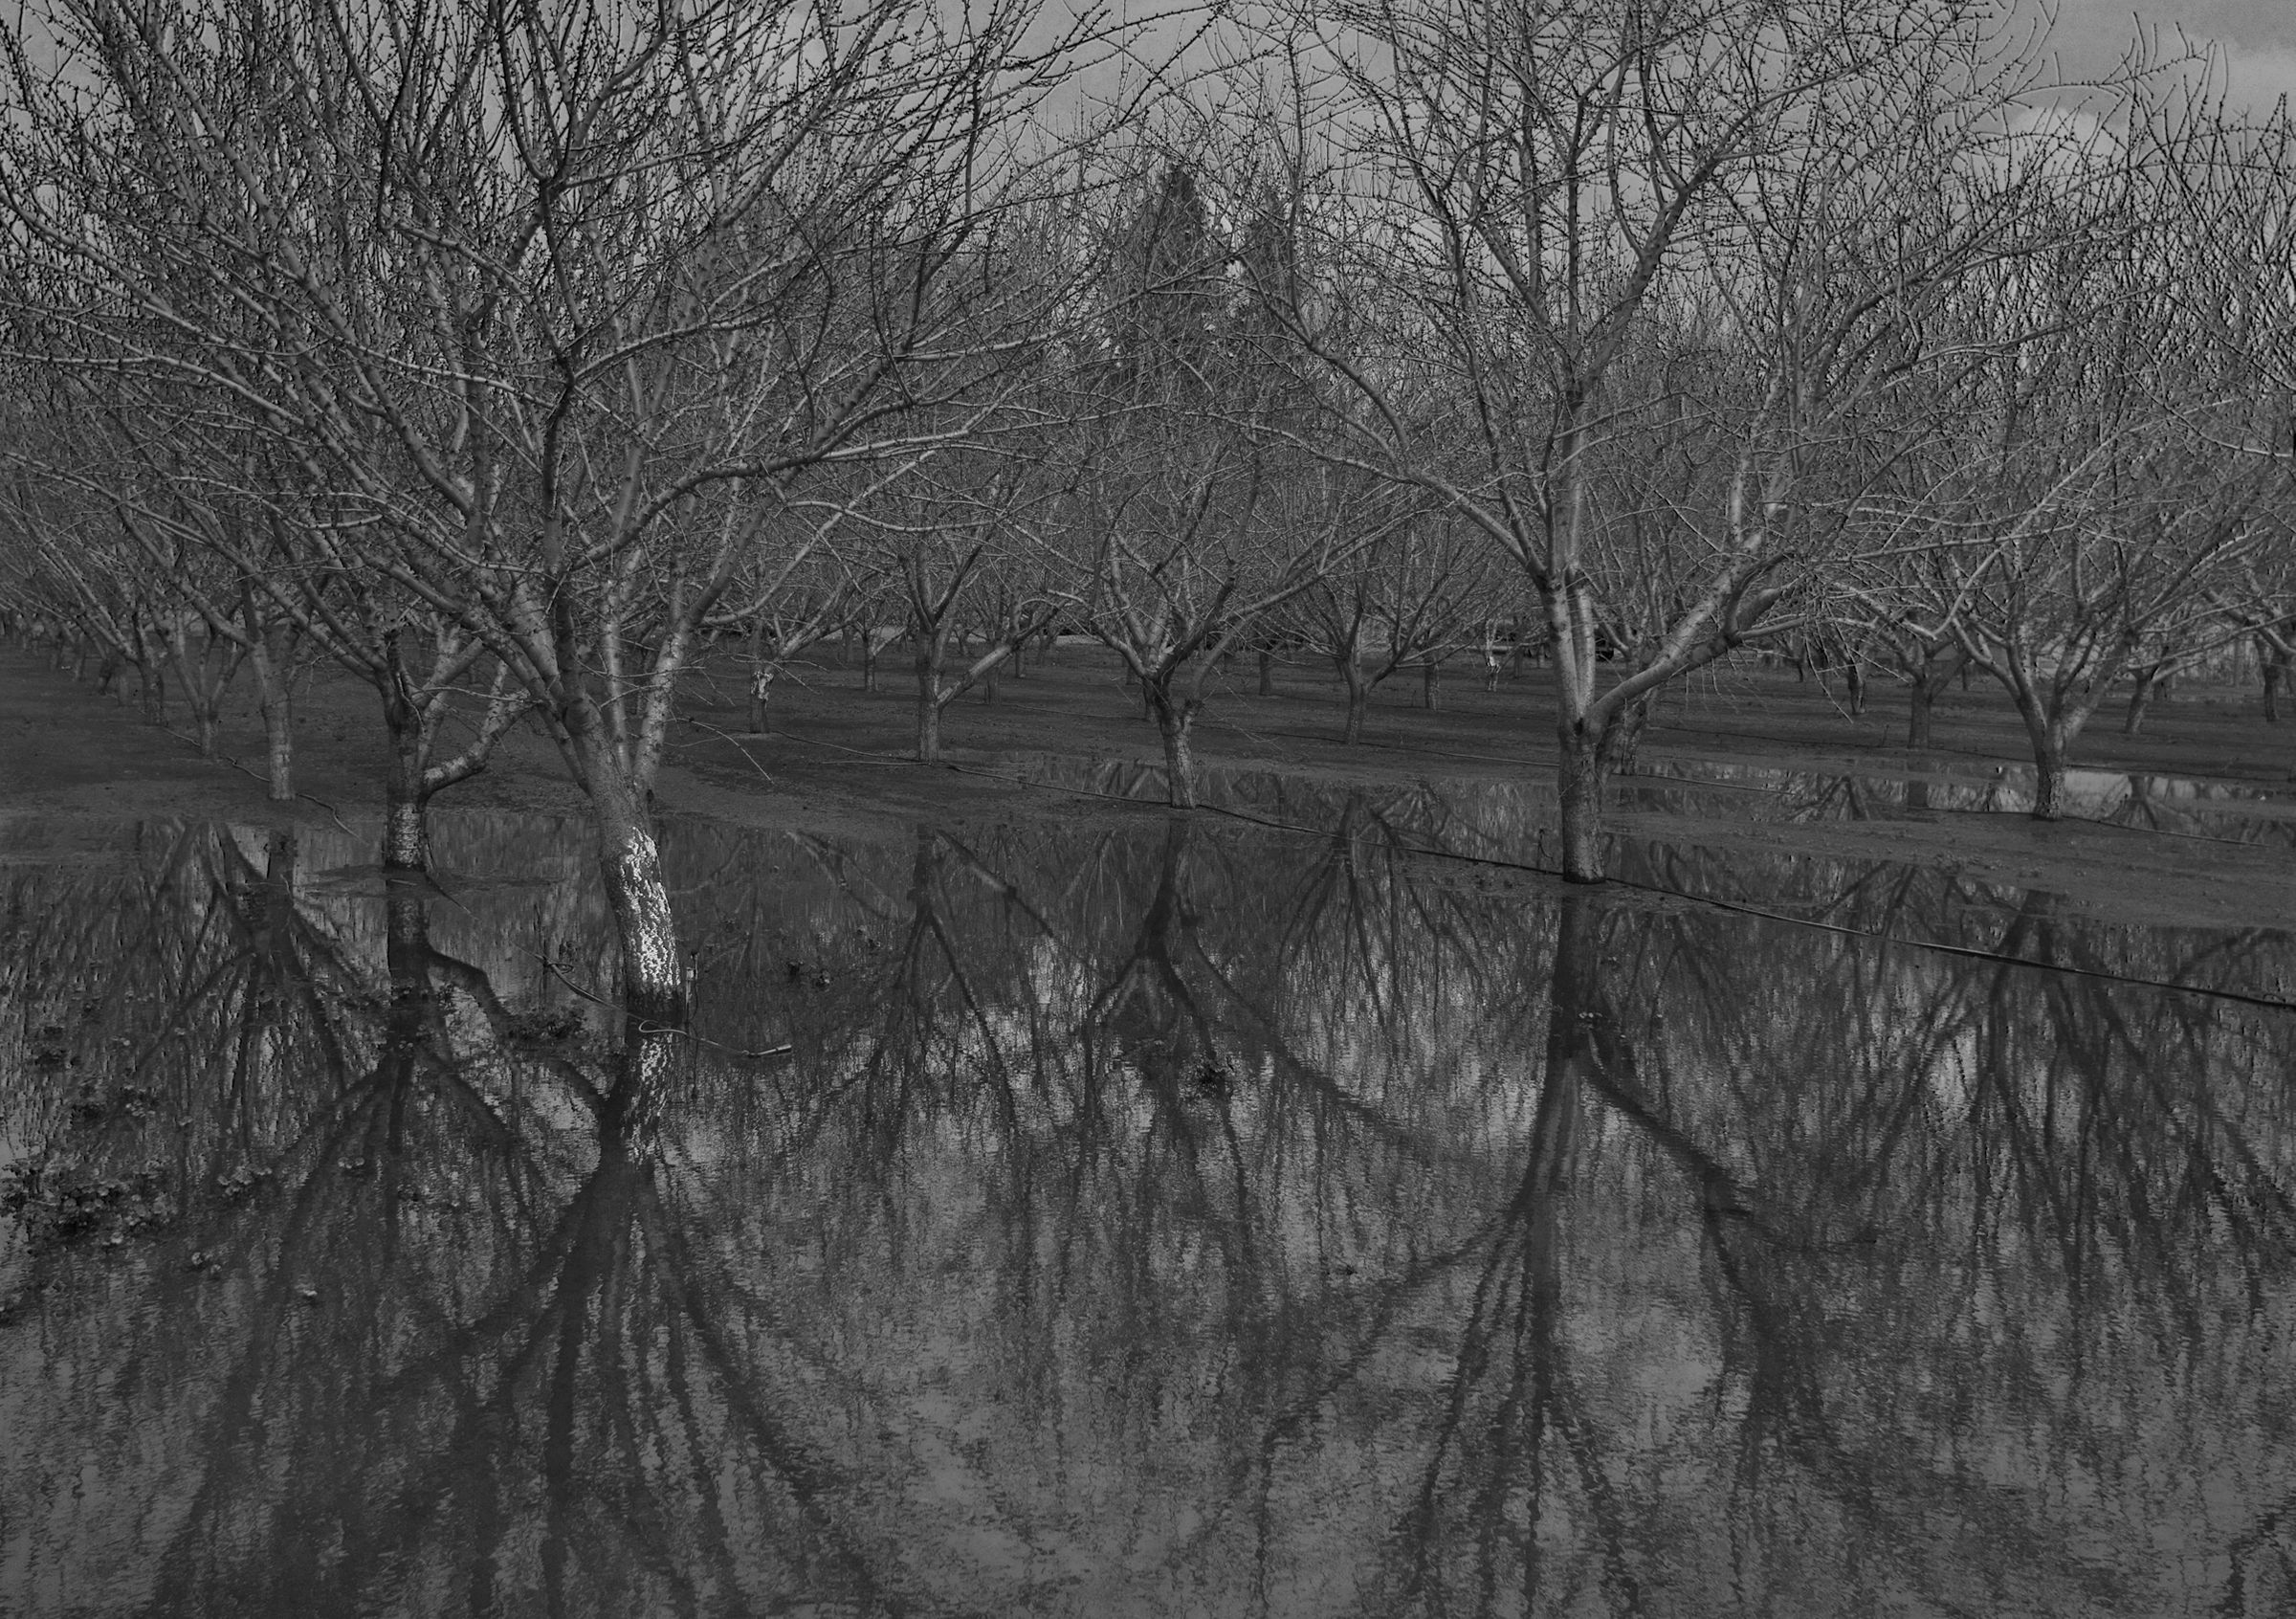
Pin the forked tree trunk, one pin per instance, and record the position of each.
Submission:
(2153, 683)
(2054, 714)
(205, 681)
(413, 779)
(1173, 720)
(2050, 743)
(1358, 695)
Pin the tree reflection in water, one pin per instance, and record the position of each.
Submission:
(1170, 1217)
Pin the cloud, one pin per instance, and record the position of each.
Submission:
(2256, 39)
(2262, 75)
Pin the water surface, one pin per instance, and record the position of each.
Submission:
(1182, 1216)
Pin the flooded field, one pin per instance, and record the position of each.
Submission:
(1180, 1216)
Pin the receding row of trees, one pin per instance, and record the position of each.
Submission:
(505, 354)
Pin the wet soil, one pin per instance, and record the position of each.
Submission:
(836, 760)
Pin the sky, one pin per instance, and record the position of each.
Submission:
(2257, 36)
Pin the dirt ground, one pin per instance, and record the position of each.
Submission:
(73, 763)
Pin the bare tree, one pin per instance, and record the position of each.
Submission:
(558, 307)
(1189, 521)
(1407, 600)
(962, 545)
(1544, 228)
(2091, 497)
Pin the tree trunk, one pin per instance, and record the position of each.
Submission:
(869, 661)
(1266, 674)
(2048, 784)
(151, 683)
(1623, 738)
(1917, 719)
(761, 699)
(1358, 697)
(2150, 683)
(2140, 698)
(2049, 742)
(1935, 672)
(278, 746)
(407, 953)
(1579, 769)
(406, 827)
(653, 977)
(1855, 676)
(928, 728)
(204, 682)
(406, 800)
(268, 648)
(1174, 721)
(654, 989)
(2275, 672)
(929, 651)
(1430, 686)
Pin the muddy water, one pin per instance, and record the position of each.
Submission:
(1187, 1217)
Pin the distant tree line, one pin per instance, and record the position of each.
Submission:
(509, 355)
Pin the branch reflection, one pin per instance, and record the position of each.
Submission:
(1147, 1207)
